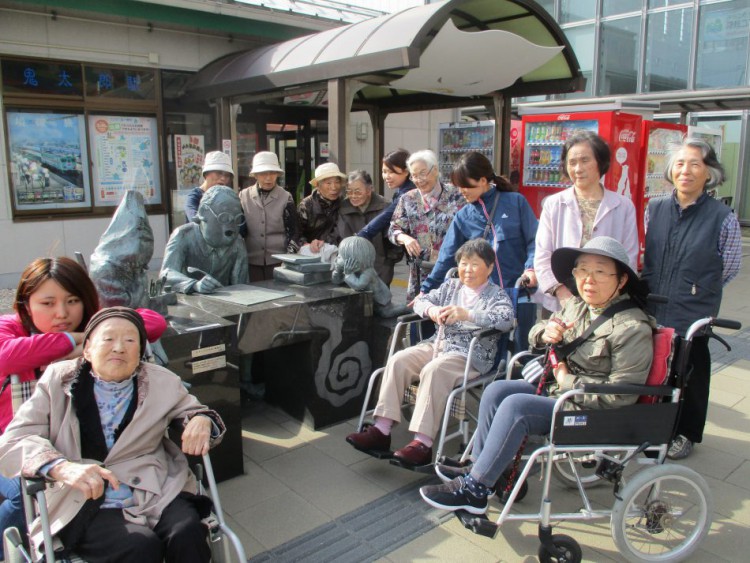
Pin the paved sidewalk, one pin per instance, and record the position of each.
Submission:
(309, 496)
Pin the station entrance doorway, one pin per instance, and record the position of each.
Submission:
(298, 136)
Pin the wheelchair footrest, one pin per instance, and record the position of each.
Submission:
(377, 454)
(479, 524)
(429, 468)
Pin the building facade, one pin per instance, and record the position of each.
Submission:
(690, 56)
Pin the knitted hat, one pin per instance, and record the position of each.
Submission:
(118, 313)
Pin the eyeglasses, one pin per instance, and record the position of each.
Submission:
(599, 276)
(356, 192)
(422, 176)
(227, 218)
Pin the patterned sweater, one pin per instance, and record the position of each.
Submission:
(492, 310)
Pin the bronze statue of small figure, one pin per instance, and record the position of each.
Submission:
(354, 266)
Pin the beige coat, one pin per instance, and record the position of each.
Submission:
(46, 428)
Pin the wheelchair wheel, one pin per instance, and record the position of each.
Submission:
(586, 464)
(664, 514)
(572, 551)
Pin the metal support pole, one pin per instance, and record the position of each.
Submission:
(377, 118)
(338, 120)
(502, 108)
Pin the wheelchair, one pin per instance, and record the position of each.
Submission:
(224, 543)
(456, 405)
(660, 513)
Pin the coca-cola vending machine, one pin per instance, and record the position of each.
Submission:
(656, 138)
(544, 136)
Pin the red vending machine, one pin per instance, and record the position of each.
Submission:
(544, 136)
(656, 138)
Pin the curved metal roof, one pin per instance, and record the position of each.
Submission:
(456, 48)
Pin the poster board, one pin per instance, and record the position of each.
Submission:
(124, 156)
(47, 160)
(189, 151)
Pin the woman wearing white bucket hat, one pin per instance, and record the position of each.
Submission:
(217, 171)
(319, 212)
(270, 216)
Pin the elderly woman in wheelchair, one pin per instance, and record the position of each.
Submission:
(96, 427)
(617, 350)
(459, 307)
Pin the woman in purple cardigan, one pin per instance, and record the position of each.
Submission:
(584, 211)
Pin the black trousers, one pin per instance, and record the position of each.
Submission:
(695, 401)
(179, 537)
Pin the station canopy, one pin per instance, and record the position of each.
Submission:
(433, 55)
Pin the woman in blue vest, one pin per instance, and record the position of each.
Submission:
(693, 249)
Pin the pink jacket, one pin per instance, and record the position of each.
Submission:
(560, 225)
(22, 353)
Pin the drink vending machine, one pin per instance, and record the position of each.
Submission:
(544, 136)
(458, 138)
(657, 137)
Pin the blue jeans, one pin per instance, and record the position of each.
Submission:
(508, 412)
(11, 509)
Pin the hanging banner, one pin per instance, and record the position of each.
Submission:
(125, 157)
(189, 151)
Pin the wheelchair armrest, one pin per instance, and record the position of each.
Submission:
(35, 484)
(485, 332)
(409, 318)
(628, 389)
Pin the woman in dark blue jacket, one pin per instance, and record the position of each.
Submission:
(511, 231)
(396, 177)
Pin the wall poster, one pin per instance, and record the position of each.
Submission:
(47, 160)
(125, 155)
(189, 151)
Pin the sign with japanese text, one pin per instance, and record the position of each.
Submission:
(47, 160)
(125, 156)
(41, 78)
(129, 84)
(189, 152)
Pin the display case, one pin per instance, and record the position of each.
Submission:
(457, 138)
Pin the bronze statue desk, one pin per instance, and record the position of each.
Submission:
(319, 345)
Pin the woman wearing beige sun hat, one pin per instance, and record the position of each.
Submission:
(318, 212)
(270, 215)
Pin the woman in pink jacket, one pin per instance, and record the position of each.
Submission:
(587, 210)
(54, 300)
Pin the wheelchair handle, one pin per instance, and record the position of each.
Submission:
(726, 323)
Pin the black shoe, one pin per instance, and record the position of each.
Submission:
(453, 496)
(447, 472)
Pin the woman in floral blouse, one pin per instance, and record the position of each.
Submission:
(422, 216)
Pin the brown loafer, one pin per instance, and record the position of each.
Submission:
(370, 439)
(414, 453)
